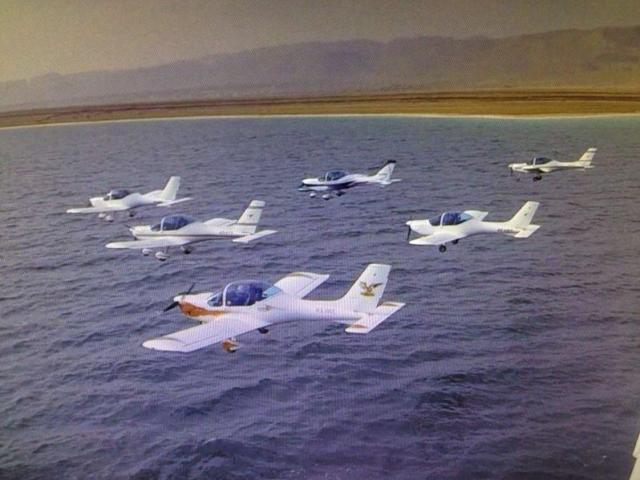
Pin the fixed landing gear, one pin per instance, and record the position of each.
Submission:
(313, 195)
(146, 252)
(442, 248)
(537, 178)
(109, 218)
(230, 345)
(326, 196)
(455, 242)
(132, 213)
(263, 330)
(161, 256)
(186, 250)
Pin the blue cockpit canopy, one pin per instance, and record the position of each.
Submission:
(539, 160)
(243, 294)
(172, 222)
(333, 175)
(117, 194)
(450, 218)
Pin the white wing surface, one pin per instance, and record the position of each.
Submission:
(438, 238)
(206, 334)
(151, 243)
(301, 284)
(96, 209)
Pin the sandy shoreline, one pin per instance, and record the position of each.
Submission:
(494, 104)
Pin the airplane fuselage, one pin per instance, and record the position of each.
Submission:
(344, 183)
(277, 309)
(466, 229)
(551, 166)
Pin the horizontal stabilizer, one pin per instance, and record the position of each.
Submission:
(527, 231)
(170, 203)
(254, 236)
(369, 321)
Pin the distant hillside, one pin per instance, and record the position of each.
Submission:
(604, 58)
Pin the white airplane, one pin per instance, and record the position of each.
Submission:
(452, 226)
(337, 182)
(183, 230)
(245, 306)
(120, 200)
(635, 473)
(540, 165)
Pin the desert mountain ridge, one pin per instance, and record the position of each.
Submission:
(602, 58)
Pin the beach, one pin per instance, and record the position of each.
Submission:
(481, 103)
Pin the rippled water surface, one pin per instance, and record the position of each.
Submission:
(513, 359)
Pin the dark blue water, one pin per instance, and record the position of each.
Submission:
(513, 359)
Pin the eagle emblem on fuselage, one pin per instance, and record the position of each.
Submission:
(367, 289)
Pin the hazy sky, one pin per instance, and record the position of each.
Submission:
(65, 36)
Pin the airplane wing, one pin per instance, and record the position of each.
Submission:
(301, 284)
(253, 236)
(438, 238)
(169, 203)
(96, 209)
(209, 333)
(151, 243)
(369, 321)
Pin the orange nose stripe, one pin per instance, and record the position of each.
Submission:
(191, 310)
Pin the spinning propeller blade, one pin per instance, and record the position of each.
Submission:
(174, 304)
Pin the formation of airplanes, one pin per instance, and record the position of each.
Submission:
(184, 230)
(244, 306)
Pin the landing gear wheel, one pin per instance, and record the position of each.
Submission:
(263, 330)
(312, 195)
(537, 178)
(186, 250)
(326, 196)
(442, 248)
(230, 345)
(132, 214)
(161, 256)
(455, 242)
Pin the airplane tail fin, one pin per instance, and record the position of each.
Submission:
(521, 221)
(171, 190)
(587, 157)
(248, 221)
(367, 290)
(384, 174)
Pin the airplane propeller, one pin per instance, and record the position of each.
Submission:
(174, 304)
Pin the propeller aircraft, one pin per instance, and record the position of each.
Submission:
(183, 230)
(453, 226)
(244, 306)
(120, 200)
(337, 182)
(540, 165)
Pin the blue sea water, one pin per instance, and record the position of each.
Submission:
(513, 359)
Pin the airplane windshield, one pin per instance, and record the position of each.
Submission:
(334, 175)
(539, 160)
(450, 218)
(172, 222)
(245, 293)
(117, 194)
